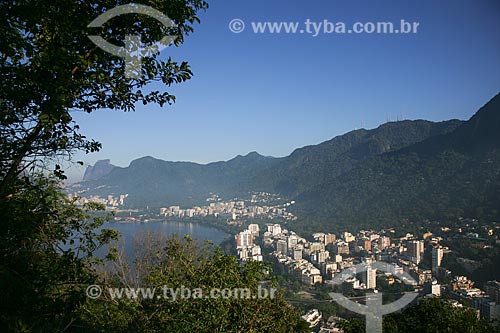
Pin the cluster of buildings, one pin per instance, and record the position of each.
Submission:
(110, 201)
(245, 244)
(312, 317)
(323, 257)
(320, 260)
(486, 302)
(231, 210)
(306, 261)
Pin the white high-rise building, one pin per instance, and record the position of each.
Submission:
(340, 247)
(369, 278)
(329, 238)
(384, 242)
(317, 246)
(337, 258)
(322, 256)
(274, 229)
(282, 246)
(297, 253)
(292, 240)
(435, 288)
(415, 250)
(437, 258)
(348, 237)
(254, 229)
(256, 250)
(244, 239)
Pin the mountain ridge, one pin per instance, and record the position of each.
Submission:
(412, 169)
(450, 175)
(186, 182)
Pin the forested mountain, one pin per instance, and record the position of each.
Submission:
(449, 175)
(312, 166)
(157, 183)
(400, 170)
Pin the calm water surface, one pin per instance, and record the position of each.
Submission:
(135, 233)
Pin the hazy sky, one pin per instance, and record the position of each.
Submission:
(272, 93)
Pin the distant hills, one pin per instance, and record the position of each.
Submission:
(400, 170)
(157, 183)
(99, 170)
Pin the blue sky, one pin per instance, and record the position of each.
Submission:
(272, 93)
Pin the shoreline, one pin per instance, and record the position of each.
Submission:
(230, 233)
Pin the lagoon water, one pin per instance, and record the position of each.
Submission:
(133, 233)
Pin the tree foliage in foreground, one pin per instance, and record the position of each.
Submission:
(183, 263)
(48, 260)
(46, 245)
(50, 69)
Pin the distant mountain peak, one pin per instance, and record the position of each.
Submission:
(147, 158)
(253, 155)
(481, 130)
(100, 169)
(144, 161)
